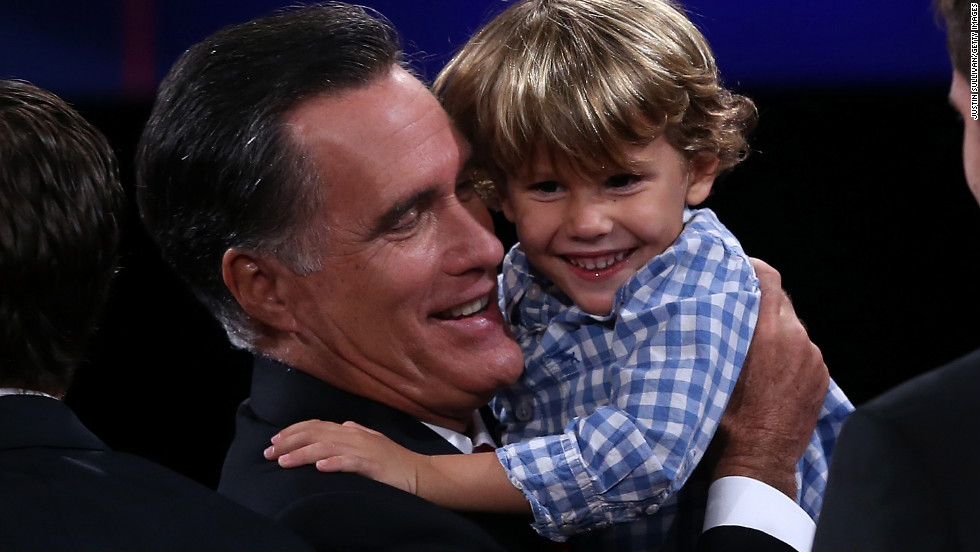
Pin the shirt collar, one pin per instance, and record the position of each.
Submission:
(5, 391)
(530, 300)
(465, 443)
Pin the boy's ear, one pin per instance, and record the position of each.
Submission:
(702, 170)
(258, 284)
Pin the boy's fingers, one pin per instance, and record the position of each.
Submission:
(345, 464)
(270, 453)
(300, 427)
(287, 442)
(307, 442)
(310, 454)
(362, 428)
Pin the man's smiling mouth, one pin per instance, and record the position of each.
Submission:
(466, 309)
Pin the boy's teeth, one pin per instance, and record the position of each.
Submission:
(469, 308)
(598, 262)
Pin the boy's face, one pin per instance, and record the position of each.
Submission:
(589, 233)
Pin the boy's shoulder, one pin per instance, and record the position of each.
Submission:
(704, 224)
(704, 248)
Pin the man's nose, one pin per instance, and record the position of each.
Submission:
(472, 243)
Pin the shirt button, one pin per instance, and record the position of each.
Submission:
(524, 410)
(533, 291)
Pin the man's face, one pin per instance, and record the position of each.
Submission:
(589, 233)
(404, 310)
(959, 96)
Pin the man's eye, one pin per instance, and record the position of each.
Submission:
(622, 180)
(407, 221)
(545, 187)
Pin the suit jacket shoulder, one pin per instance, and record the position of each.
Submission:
(904, 473)
(61, 488)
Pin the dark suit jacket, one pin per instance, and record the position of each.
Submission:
(730, 538)
(346, 511)
(905, 474)
(62, 489)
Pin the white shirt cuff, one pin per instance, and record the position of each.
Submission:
(746, 502)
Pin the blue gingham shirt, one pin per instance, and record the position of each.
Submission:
(612, 413)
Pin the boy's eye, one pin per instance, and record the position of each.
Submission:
(622, 180)
(545, 187)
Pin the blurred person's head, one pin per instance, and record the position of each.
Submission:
(60, 204)
(956, 16)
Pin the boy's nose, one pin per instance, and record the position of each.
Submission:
(586, 219)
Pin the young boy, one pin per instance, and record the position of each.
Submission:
(600, 121)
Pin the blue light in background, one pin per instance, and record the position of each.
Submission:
(77, 48)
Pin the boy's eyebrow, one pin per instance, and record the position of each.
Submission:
(391, 217)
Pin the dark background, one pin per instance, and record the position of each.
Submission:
(854, 193)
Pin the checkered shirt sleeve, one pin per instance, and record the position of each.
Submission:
(613, 413)
(811, 474)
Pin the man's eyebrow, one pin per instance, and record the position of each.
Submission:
(391, 217)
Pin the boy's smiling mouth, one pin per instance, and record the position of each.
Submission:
(596, 266)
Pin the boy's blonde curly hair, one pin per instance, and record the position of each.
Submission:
(581, 79)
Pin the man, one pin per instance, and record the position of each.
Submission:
(904, 476)
(316, 198)
(61, 488)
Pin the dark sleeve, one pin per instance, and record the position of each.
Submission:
(879, 497)
(730, 538)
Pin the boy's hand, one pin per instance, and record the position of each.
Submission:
(350, 448)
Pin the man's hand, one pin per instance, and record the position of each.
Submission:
(774, 407)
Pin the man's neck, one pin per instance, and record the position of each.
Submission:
(345, 376)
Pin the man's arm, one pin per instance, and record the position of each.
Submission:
(766, 428)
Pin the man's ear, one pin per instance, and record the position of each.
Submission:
(257, 283)
(702, 170)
